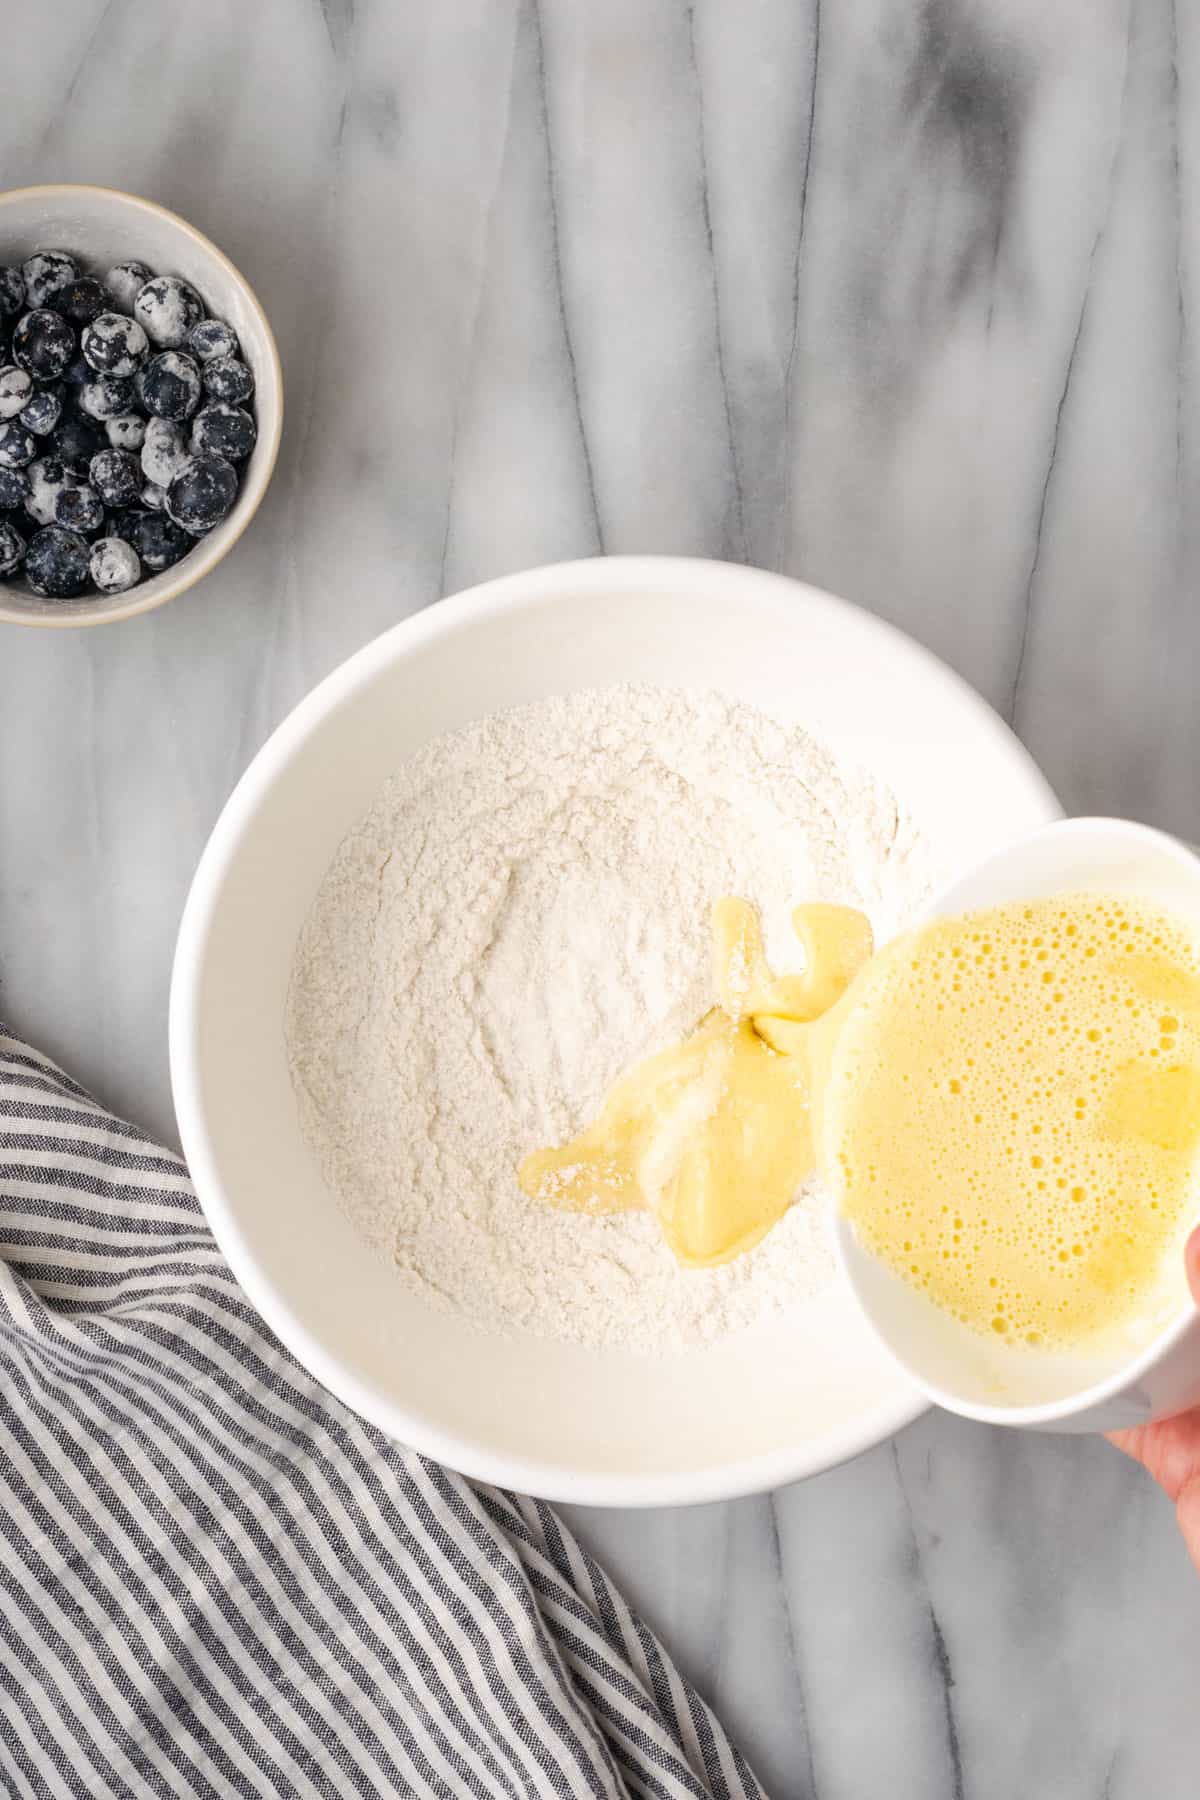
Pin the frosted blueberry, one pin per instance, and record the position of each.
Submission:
(126, 282)
(16, 391)
(114, 565)
(126, 432)
(48, 478)
(158, 540)
(12, 292)
(80, 300)
(14, 488)
(75, 441)
(42, 413)
(202, 493)
(221, 430)
(120, 522)
(169, 385)
(164, 451)
(80, 509)
(225, 378)
(17, 445)
(45, 273)
(153, 497)
(105, 397)
(116, 476)
(212, 338)
(12, 547)
(168, 308)
(56, 562)
(43, 343)
(113, 344)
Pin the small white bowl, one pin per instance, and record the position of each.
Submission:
(104, 227)
(1155, 1371)
(801, 1392)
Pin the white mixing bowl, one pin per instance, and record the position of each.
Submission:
(779, 1402)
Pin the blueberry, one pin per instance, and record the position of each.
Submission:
(43, 343)
(126, 432)
(42, 413)
(16, 391)
(81, 509)
(212, 338)
(12, 291)
(225, 378)
(125, 282)
(116, 476)
(14, 488)
(45, 273)
(75, 441)
(153, 497)
(80, 300)
(222, 430)
(115, 565)
(202, 493)
(56, 562)
(105, 397)
(113, 344)
(17, 446)
(121, 521)
(168, 309)
(164, 452)
(48, 478)
(12, 547)
(76, 373)
(158, 540)
(169, 385)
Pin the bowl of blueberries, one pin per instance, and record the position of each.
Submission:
(141, 403)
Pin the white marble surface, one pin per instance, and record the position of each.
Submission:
(895, 296)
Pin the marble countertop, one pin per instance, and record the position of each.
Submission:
(894, 296)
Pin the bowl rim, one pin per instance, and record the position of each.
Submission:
(757, 1474)
(144, 599)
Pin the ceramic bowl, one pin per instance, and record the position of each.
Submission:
(1152, 1370)
(105, 227)
(789, 1397)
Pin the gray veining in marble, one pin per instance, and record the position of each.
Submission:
(897, 295)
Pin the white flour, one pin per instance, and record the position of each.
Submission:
(522, 914)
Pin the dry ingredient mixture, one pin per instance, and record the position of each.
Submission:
(522, 915)
(715, 1135)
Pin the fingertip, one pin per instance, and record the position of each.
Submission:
(1187, 1511)
(1191, 1256)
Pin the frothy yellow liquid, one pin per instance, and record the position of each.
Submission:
(714, 1136)
(1011, 1112)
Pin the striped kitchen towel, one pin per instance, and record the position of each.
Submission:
(217, 1580)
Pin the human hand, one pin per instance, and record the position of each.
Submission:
(1170, 1450)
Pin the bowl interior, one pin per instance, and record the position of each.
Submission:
(960, 1368)
(105, 227)
(551, 1418)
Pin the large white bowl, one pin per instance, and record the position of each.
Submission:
(758, 1410)
(104, 226)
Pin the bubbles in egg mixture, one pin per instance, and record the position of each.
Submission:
(1013, 1113)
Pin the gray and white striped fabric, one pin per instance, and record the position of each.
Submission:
(216, 1580)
